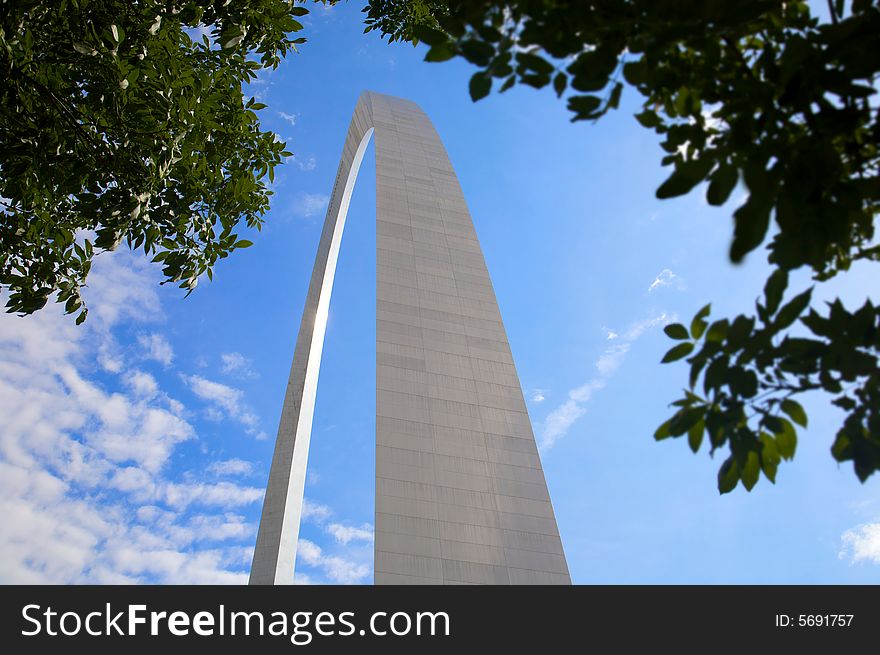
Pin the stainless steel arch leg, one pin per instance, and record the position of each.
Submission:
(460, 492)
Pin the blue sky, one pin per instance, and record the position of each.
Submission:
(135, 448)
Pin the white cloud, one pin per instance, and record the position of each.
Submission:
(122, 286)
(610, 359)
(231, 467)
(560, 419)
(221, 494)
(638, 328)
(290, 118)
(235, 363)
(88, 493)
(156, 347)
(584, 393)
(665, 278)
(143, 384)
(338, 569)
(85, 490)
(348, 566)
(307, 164)
(310, 204)
(119, 427)
(346, 533)
(538, 395)
(314, 512)
(201, 567)
(225, 401)
(861, 544)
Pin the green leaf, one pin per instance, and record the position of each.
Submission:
(751, 470)
(441, 52)
(430, 35)
(677, 352)
(795, 412)
(663, 431)
(534, 62)
(698, 325)
(774, 289)
(697, 365)
(685, 177)
(685, 419)
(717, 331)
(648, 119)
(477, 52)
(244, 243)
(769, 456)
(792, 309)
(614, 98)
(480, 86)
(721, 184)
(583, 106)
(559, 84)
(695, 435)
(635, 72)
(728, 475)
(842, 449)
(786, 439)
(750, 226)
(534, 80)
(739, 332)
(596, 64)
(231, 36)
(676, 331)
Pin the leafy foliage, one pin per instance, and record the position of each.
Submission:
(754, 91)
(399, 21)
(751, 371)
(126, 122)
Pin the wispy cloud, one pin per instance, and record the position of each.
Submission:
(224, 401)
(665, 278)
(235, 363)
(315, 512)
(538, 395)
(349, 564)
(233, 466)
(559, 420)
(87, 491)
(338, 569)
(310, 204)
(306, 164)
(143, 384)
(346, 533)
(156, 347)
(861, 544)
(290, 118)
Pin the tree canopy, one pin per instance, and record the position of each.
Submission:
(755, 92)
(126, 122)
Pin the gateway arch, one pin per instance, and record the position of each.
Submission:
(460, 491)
